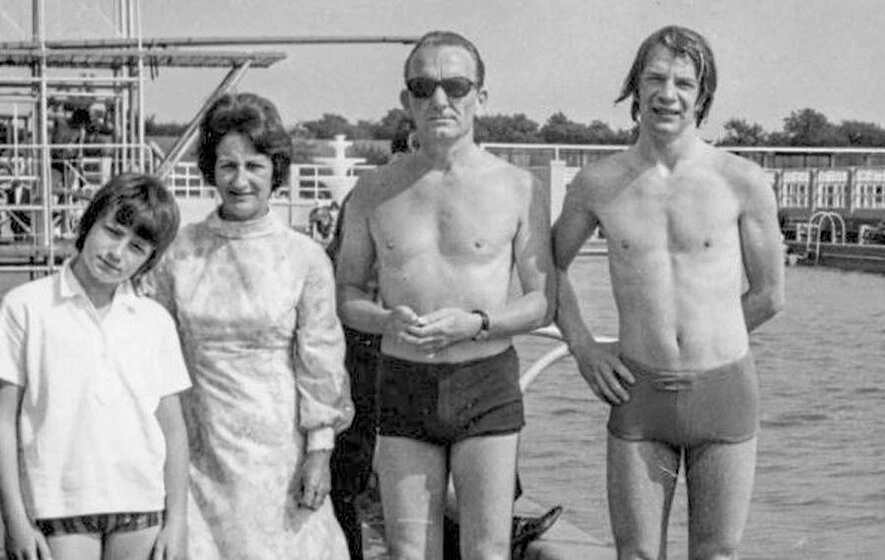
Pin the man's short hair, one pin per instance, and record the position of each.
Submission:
(258, 120)
(138, 202)
(448, 39)
(682, 42)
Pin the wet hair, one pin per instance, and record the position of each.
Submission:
(254, 117)
(682, 42)
(138, 202)
(447, 39)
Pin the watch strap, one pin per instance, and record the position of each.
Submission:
(483, 332)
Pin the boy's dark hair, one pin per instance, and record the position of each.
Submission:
(254, 117)
(448, 39)
(682, 42)
(140, 203)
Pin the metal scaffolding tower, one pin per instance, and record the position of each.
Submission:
(73, 116)
(72, 111)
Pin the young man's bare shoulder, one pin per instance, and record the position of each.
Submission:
(745, 176)
(606, 173)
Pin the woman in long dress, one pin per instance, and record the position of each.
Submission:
(255, 306)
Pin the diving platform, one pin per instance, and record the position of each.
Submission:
(119, 58)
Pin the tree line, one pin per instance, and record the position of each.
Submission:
(803, 127)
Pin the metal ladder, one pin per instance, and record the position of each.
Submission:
(812, 230)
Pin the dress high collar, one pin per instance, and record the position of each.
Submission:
(258, 227)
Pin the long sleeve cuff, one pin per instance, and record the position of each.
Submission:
(321, 439)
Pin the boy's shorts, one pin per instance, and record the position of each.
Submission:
(103, 523)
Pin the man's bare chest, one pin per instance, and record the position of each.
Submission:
(456, 227)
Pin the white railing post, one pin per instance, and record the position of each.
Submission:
(557, 187)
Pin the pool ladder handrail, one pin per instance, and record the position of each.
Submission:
(814, 226)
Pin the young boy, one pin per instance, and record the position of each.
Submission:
(93, 448)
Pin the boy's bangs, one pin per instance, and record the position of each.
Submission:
(141, 220)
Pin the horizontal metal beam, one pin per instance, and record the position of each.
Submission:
(163, 42)
(117, 57)
(95, 82)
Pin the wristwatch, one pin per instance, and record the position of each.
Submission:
(483, 332)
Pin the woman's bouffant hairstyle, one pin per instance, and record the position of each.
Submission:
(682, 42)
(138, 202)
(254, 117)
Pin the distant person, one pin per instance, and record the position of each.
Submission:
(15, 191)
(93, 446)
(66, 139)
(684, 223)
(444, 231)
(402, 143)
(63, 135)
(355, 447)
(100, 134)
(81, 122)
(255, 305)
(99, 129)
(322, 220)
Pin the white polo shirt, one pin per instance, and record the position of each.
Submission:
(89, 436)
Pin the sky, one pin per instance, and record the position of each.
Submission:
(541, 56)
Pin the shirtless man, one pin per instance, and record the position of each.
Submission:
(685, 224)
(447, 228)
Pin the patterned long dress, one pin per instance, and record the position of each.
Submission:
(255, 307)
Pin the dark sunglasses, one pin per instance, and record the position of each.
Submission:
(422, 88)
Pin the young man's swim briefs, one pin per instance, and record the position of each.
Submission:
(689, 408)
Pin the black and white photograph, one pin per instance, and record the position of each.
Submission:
(442, 280)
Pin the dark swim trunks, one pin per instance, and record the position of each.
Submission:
(689, 408)
(445, 403)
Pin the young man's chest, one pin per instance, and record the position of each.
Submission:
(687, 211)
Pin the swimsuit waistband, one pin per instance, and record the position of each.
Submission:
(677, 380)
(443, 367)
